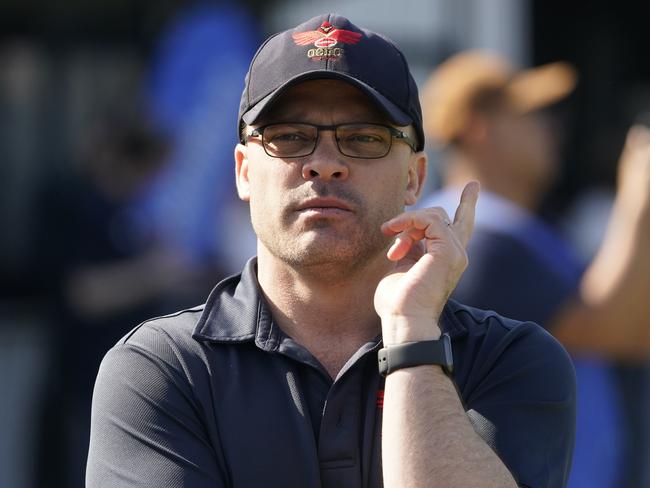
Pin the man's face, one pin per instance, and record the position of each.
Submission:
(326, 208)
(528, 147)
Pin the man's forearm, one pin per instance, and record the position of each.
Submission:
(427, 439)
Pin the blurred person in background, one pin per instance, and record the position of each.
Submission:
(103, 267)
(192, 90)
(493, 123)
(145, 227)
(25, 350)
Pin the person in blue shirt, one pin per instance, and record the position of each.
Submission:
(489, 119)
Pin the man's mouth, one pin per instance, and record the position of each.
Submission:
(324, 204)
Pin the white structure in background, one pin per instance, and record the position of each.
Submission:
(427, 31)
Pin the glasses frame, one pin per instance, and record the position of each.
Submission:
(394, 132)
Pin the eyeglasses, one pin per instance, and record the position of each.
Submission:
(365, 141)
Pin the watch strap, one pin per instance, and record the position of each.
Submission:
(399, 356)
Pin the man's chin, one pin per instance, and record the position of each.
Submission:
(334, 251)
(330, 250)
(340, 248)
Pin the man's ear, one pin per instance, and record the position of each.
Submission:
(417, 175)
(241, 172)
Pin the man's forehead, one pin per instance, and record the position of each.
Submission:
(324, 95)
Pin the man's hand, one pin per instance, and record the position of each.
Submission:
(427, 438)
(430, 256)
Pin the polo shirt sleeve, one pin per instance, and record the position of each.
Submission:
(146, 429)
(520, 395)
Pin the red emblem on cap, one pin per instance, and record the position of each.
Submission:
(325, 38)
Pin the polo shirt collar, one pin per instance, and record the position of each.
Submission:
(236, 312)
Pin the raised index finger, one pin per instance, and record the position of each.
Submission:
(464, 217)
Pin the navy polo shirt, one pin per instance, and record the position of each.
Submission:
(219, 396)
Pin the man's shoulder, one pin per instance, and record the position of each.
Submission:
(519, 390)
(177, 326)
(494, 343)
(183, 337)
(165, 340)
(220, 313)
(478, 321)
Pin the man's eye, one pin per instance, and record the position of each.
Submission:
(289, 137)
(364, 138)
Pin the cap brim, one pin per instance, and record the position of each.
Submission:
(392, 111)
(536, 88)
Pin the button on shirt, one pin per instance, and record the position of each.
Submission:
(219, 396)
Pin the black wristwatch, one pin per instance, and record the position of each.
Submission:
(409, 354)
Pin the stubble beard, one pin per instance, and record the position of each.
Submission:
(327, 249)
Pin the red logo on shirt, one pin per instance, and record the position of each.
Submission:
(380, 398)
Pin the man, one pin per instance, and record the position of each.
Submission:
(275, 380)
(490, 119)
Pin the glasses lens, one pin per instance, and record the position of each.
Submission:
(289, 140)
(364, 140)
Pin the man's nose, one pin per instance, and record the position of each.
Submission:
(326, 162)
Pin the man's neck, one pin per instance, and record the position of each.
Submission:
(331, 317)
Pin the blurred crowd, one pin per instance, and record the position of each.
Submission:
(142, 219)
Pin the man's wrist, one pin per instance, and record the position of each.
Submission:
(412, 354)
(399, 329)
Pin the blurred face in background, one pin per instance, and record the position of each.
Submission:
(525, 147)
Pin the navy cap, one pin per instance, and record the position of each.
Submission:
(330, 46)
